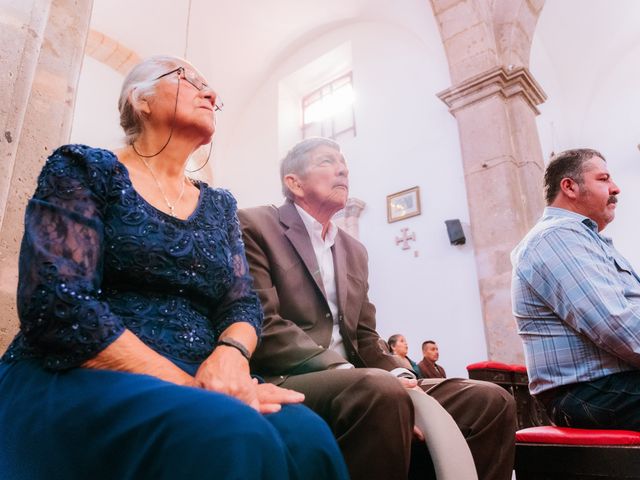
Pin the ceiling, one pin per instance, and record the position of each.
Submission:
(237, 43)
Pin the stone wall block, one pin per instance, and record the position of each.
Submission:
(440, 6)
(515, 23)
(471, 52)
(46, 124)
(527, 148)
(513, 45)
(464, 67)
(459, 18)
(22, 26)
(483, 146)
(493, 198)
(500, 326)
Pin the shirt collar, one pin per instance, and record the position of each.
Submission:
(314, 228)
(562, 212)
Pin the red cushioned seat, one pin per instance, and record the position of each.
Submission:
(513, 378)
(577, 436)
(489, 365)
(518, 368)
(558, 453)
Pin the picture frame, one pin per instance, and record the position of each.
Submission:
(403, 205)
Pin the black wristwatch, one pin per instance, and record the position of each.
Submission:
(230, 342)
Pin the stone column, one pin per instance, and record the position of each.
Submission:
(348, 218)
(22, 25)
(42, 50)
(494, 99)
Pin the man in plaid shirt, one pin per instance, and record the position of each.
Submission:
(576, 301)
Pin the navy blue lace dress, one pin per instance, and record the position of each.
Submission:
(97, 259)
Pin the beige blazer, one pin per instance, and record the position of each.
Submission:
(298, 323)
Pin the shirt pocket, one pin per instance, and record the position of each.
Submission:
(628, 277)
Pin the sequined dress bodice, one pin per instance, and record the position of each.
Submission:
(96, 258)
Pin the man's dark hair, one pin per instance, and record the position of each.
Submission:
(393, 339)
(426, 342)
(567, 164)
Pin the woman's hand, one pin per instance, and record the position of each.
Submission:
(129, 354)
(227, 371)
(272, 397)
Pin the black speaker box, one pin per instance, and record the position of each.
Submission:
(455, 232)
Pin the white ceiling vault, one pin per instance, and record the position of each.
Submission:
(237, 43)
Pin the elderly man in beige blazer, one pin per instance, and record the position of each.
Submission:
(319, 334)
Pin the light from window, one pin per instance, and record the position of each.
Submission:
(328, 111)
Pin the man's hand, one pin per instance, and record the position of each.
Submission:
(271, 397)
(227, 371)
(408, 383)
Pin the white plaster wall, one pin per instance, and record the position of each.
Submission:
(405, 138)
(96, 121)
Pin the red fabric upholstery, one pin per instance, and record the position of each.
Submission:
(577, 436)
(488, 364)
(497, 366)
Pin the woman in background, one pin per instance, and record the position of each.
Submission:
(400, 348)
(138, 318)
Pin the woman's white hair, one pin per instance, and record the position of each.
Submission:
(140, 84)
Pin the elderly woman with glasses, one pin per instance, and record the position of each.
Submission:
(138, 318)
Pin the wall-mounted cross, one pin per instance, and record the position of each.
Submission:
(404, 240)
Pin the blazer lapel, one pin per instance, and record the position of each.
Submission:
(297, 234)
(340, 271)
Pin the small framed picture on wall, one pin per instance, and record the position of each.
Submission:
(404, 204)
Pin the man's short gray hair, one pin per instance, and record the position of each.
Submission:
(297, 159)
(139, 84)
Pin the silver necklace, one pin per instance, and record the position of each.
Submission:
(172, 206)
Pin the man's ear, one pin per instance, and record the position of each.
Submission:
(292, 182)
(140, 105)
(569, 187)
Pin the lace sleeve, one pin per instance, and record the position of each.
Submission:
(241, 303)
(61, 314)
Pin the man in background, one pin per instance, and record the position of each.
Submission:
(428, 366)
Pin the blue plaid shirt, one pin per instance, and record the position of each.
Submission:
(576, 301)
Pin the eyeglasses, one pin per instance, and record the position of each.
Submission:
(191, 77)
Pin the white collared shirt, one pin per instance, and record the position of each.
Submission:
(324, 256)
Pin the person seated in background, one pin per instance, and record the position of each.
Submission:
(319, 335)
(576, 301)
(138, 318)
(428, 366)
(399, 347)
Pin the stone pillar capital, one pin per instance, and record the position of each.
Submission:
(354, 207)
(349, 218)
(506, 81)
